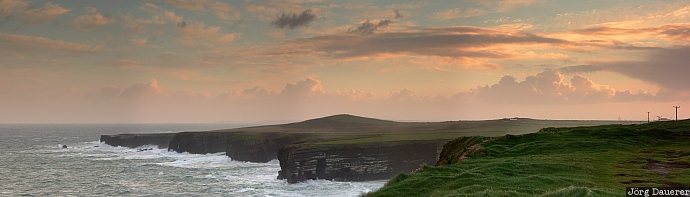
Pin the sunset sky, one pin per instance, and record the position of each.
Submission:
(86, 61)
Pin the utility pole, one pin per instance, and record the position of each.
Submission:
(647, 117)
(676, 111)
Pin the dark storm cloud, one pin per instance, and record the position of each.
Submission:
(667, 67)
(445, 42)
(398, 15)
(368, 27)
(581, 69)
(294, 20)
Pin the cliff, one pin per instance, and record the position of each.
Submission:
(240, 146)
(135, 140)
(343, 147)
(261, 147)
(199, 142)
(460, 149)
(354, 162)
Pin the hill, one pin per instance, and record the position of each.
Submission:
(345, 124)
(342, 121)
(578, 161)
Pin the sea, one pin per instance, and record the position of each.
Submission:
(33, 163)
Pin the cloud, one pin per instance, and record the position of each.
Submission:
(452, 42)
(139, 91)
(28, 14)
(552, 87)
(91, 20)
(10, 7)
(190, 32)
(196, 5)
(507, 5)
(397, 13)
(140, 42)
(303, 88)
(581, 69)
(667, 67)
(368, 27)
(256, 92)
(679, 32)
(670, 32)
(159, 15)
(456, 13)
(109, 92)
(268, 10)
(48, 12)
(195, 32)
(33, 44)
(294, 20)
(308, 98)
(223, 11)
(404, 95)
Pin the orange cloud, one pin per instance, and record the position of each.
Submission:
(196, 32)
(506, 5)
(456, 13)
(551, 87)
(664, 35)
(455, 42)
(48, 12)
(91, 20)
(221, 10)
(143, 90)
(31, 14)
(10, 7)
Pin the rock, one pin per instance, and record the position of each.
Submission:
(261, 147)
(460, 149)
(198, 142)
(240, 146)
(64, 146)
(135, 140)
(355, 162)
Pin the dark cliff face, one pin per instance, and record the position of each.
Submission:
(135, 140)
(198, 142)
(355, 162)
(240, 146)
(262, 147)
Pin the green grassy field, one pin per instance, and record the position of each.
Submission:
(578, 161)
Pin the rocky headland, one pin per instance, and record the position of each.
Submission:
(340, 147)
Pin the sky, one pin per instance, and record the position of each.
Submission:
(162, 61)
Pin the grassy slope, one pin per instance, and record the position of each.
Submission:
(597, 161)
(348, 129)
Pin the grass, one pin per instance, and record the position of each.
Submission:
(579, 161)
(453, 129)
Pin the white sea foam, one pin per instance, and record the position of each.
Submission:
(184, 160)
(247, 178)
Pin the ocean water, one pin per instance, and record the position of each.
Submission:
(33, 164)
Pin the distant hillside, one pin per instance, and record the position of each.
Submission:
(345, 123)
(340, 121)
